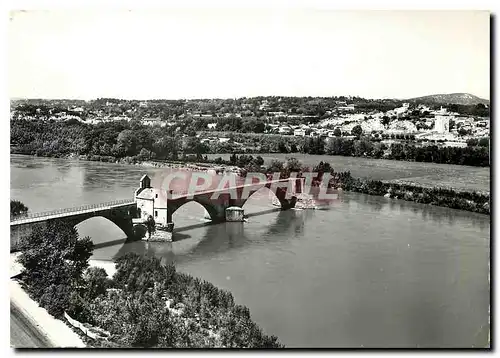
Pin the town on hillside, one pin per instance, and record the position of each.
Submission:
(421, 121)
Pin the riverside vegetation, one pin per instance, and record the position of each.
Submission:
(464, 200)
(145, 304)
(133, 142)
(17, 208)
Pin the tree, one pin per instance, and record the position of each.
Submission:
(150, 225)
(282, 147)
(259, 161)
(275, 166)
(127, 142)
(233, 158)
(462, 131)
(314, 145)
(472, 142)
(340, 146)
(144, 154)
(56, 299)
(357, 131)
(378, 150)
(17, 208)
(484, 142)
(337, 132)
(96, 282)
(200, 149)
(362, 147)
(292, 165)
(54, 254)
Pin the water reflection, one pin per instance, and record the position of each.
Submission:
(230, 236)
(216, 238)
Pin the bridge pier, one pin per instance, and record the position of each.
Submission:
(161, 234)
(235, 214)
(127, 226)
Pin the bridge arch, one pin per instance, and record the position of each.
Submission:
(279, 196)
(121, 223)
(210, 208)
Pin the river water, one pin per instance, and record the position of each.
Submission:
(368, 272)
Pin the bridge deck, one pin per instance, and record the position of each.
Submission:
(35, 217)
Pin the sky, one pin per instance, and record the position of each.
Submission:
(226, 53)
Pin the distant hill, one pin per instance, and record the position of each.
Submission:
(451, 98)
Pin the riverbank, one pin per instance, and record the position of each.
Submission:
(478, 202)
(55, 332)
(190, 164)
(175, 321)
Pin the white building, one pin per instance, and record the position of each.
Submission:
(299, 133)
(153, 121)
(285, 130)
(347, 108)
(151, 201)
(442, 124)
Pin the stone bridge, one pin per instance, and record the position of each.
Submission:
(127, 213)
(119, 212)
(228, 197)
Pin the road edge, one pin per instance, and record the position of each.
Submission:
(54, 331)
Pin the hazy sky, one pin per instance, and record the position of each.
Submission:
(192, 53)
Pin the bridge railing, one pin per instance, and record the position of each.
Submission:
(70, 210)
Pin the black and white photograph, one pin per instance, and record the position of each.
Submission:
(263, 177)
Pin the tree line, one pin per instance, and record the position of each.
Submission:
(256, 107)
(247, 107)
(135, 142)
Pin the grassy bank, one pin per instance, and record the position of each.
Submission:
(463, 200)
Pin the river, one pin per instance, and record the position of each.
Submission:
(368, 272)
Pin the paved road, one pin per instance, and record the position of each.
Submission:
(22, 333)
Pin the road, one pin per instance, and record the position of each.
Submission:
(22, 333)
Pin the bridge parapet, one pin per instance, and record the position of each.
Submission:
(75, 210)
